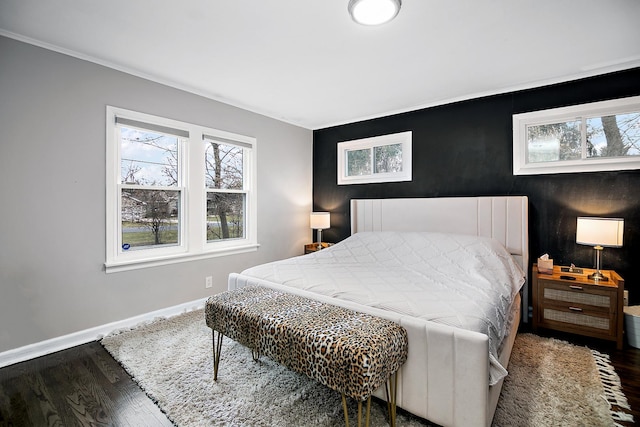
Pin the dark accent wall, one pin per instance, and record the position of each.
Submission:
(465, 149)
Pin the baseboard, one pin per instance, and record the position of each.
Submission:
(42, 348)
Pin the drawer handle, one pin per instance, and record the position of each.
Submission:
(576, 287)
(575, 309)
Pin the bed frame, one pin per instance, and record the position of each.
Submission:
(446, 376)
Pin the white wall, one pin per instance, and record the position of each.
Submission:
(52, 195)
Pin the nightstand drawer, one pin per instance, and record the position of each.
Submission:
(577, 318)
(577, 295)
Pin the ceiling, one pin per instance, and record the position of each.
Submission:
(307, 63)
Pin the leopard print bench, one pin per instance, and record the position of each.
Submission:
(350, 352)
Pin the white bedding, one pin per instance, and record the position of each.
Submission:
(463, 281)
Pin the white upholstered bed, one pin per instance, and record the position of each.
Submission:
(447, 376)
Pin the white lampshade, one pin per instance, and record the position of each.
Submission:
(320, 220)
(373, 12)
(600, 231)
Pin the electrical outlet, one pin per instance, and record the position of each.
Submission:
(626, 298)
(208, 282)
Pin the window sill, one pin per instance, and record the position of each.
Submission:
(119, 266)
(588, 165)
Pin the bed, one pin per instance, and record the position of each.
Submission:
(457, 361)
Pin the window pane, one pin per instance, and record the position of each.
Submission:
(359, 162)
(554, 142)
(223, 165)
(149, 218)
(613, 136)
(225, 216)
(148, 158)
(388, 158)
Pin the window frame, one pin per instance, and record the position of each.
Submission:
(192, 244)
(404, 138)
(580, 112)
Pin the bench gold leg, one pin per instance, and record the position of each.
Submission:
(346, 412)
(393, 385)
(366, 423)
(217, 349)
(386, 389)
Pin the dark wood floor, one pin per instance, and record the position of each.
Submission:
(85, 386)
(627, 364)
(81, 386)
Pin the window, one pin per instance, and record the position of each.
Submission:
(384, 158)
(599, 136)
(226, 189)
(176, 191)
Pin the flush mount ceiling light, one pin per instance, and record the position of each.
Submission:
(373, 12)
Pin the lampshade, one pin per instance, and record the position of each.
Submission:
(320, 220)
(605, 232)
(373, 12)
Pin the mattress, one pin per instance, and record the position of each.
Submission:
(463, 281)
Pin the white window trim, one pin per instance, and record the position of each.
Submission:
(404, 138)
(576, 112)
(193, 244)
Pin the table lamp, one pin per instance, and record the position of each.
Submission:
(599, 233)
(320, 221)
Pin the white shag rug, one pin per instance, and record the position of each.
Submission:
(550, 383)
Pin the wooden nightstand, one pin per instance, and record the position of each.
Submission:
(313, 247)
(579, 306)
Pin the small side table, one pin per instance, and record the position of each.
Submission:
(313, 247)
(579, 305)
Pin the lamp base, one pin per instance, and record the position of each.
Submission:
(319, 238)
(598, 276)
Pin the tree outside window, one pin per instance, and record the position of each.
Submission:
(226, 197)
(149, 208)
(385, 158)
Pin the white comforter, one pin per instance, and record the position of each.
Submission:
(463, 281)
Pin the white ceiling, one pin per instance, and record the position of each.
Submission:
(305, 62)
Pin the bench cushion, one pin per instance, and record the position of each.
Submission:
(350, 352)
